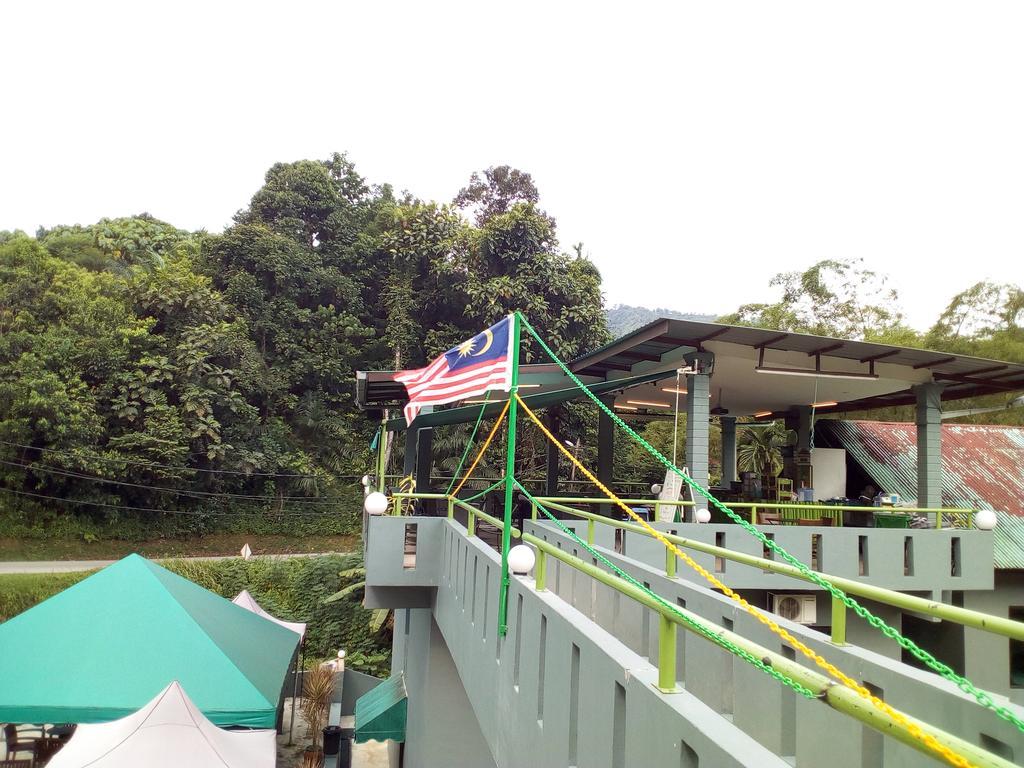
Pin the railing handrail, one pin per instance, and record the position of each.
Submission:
(965, 616)
(838, 697)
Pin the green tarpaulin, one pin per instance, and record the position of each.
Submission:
(104, 647)
(381, 712)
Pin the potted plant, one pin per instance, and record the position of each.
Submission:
(317, 687)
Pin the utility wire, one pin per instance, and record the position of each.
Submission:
(153, 509)
(155, 465)
(180, 492)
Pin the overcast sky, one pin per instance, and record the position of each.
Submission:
(695, 148)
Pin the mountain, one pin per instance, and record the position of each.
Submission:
(622, 318)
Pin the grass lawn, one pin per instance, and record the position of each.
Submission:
(211, 544)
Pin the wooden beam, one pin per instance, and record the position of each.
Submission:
(880, 355)
(933, 363)
(990, 369)
(1003, 386)
(826, 350)
(625, 343)
(769, 342)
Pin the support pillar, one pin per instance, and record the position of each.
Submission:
(698, 422)
(409, 462)
(929, 444)
(551, 419)
(605, 444)
(728, 450)
(424, 458)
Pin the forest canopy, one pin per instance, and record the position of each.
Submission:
(145, 369)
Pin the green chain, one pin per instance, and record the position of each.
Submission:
(696, 625)
(922, 655)
(469, 444)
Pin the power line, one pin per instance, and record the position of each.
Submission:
(180, 492)
(152, 509)
(155, 465)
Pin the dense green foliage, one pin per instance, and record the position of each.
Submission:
(292, 589)
(145, 370)
(623, 318)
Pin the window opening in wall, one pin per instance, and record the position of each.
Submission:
(862, 555)
(409, 561)
(720, 561)
(687, 757)
(619, 728)
(908, 555)
(996, 747)
(541, 656)
(472, 607)
(519, 641)
(767, 552)
(574, 705)
(1017, 651)
(816, 562)
(872, 747)
(954, 556)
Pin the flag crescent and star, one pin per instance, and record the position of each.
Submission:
(477, 365)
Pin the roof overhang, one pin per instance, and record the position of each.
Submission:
(756, 372)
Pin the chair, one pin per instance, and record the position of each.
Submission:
(17, 742)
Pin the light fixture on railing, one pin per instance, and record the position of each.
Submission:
(824, 404)
(674, 390)
(649, 404)
(626, 408)
(762, 414)
(530, 386)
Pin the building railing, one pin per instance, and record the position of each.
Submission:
(838, 697)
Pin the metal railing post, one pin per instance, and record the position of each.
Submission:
(541, 570)
(838, 621)
(590, 532)
(533, 510)
(670, 563)
(451, 508)
(666, 654)
(471, 525)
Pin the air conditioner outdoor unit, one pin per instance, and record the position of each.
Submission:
(802, 609)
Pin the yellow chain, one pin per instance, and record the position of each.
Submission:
(915, 730)
(480, 453)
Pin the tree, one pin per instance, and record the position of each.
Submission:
(760, 450)
(500, 188)
(831, 298)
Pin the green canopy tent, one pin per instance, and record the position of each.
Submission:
(104, 647)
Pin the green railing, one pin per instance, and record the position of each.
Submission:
(794, 512)
(838, 697)
(964, 616)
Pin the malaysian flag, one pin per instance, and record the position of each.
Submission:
(475, 366)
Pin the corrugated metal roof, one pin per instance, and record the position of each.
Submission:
(982, 467)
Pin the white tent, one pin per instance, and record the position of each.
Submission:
(168, 732)
(247, 601)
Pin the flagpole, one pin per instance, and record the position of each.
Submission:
(510, 466)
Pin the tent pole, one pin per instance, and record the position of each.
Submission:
(295, 687)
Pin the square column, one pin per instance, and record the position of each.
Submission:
(929, 444)
(605, 444)
(698, 416)
(551, 481)
(728, 424)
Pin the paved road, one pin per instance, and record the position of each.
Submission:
(70, 566)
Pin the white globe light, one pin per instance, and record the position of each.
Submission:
(365, 481)
(985, 520)
(521, 559)
(656, 489)
(376, 503)
(702, 515)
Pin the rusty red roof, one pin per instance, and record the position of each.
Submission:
(982, 467)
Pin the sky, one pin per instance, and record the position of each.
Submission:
(696, 149)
